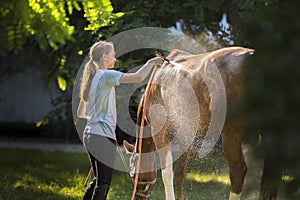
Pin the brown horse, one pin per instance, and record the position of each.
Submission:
(187, 99)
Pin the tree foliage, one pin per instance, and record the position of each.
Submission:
(52, 27)
(198, 19)
(48, 21)
(271, 99)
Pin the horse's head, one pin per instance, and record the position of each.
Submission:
(147, 172)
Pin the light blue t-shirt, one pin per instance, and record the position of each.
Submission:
(101, 106)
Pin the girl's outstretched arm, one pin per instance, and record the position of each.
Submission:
(142, 73)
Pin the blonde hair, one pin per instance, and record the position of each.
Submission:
(95, 54)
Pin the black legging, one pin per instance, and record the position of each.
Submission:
(102, 155)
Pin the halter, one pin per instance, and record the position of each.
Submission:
(148, 184)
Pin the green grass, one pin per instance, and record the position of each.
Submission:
(33, 174)
(47, 175)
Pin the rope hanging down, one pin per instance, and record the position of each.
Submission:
(147, 92)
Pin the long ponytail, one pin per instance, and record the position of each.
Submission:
(95, 54)
(87, 77)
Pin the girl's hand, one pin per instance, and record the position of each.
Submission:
(156, 60)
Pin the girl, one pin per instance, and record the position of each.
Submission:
(98, 106)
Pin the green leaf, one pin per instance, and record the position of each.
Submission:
(107, 5)
(62, 83)
(39, 123)
(119, 14)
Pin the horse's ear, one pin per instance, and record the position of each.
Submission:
(129, 148)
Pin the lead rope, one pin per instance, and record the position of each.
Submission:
(122, 157)
(147, 92)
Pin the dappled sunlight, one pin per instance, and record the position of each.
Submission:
(26, 180)
(205, 178)
(32, 183)
(287, 178)
(43, 175)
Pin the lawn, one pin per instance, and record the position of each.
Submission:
(55, 175)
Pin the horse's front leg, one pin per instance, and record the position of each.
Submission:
(166, 161)
(163, 146)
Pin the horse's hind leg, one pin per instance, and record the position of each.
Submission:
(231, 142)
(180, 173)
